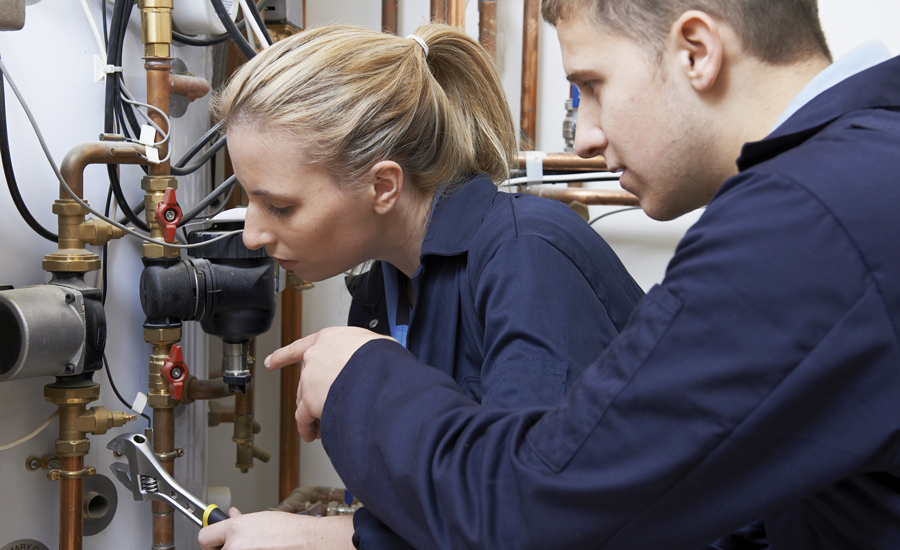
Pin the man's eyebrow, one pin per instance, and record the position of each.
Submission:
(578, 75)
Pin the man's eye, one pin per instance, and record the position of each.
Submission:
(280, 212)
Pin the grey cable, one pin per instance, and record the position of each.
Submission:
(71, 193)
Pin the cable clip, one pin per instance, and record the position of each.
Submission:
(534, 166)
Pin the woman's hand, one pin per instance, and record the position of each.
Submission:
(277, 531)
(323, 354)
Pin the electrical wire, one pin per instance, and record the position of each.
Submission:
(33, 433)
(232, 29)
(204, 158)
(563, 178)
(11, 182)
(255, 14)
(601, 216)
(206, 138)
(264, 39)
(119, 395)
(65, 185)
(194, 212)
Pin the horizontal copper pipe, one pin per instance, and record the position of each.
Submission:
(96, 152)
(567, 161)
(196, 388)
(191, 87)
(584, 196)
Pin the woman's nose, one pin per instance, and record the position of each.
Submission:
(255, 234)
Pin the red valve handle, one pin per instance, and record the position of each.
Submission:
(174, 372)
(168, 214)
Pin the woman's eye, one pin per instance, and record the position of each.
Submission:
(280, 212)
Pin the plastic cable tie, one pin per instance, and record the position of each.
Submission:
(140, 401)
(152, 154)
(148, 135)
(534, 166)
(109, 69)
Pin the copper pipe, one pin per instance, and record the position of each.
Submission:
(71, 497)
(456, 13)
(95, 152)
(389, 16)
(528, 112)
(438, 11)
(191, 87)
(195, 388)
(487, 26)
(584, 196)
(158, 86)
(567, 161)
(164, 444)
(243, 419)
(289, 437)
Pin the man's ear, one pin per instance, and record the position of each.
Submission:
(697, 41)
(387, 184)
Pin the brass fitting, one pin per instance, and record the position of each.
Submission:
(71, 254)
(156, 27)
(154, 188)
(75, 422)
(158, 396)
(98, 232)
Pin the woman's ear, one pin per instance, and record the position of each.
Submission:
(697, 41)
(387, 184)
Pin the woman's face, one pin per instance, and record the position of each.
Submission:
(296, 210)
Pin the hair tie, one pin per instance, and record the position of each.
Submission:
(421, 43)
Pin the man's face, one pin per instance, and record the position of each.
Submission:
(639, 114)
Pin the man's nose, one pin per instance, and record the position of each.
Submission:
(590, 139)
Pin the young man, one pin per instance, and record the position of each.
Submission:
(761, 379)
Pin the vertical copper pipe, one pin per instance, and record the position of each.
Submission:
(487, 26)
(289, 449)
(439, 11)
(71, 496)
(456, 13)
(528, 113)
(243, 418)
(389, 16)
(164, 444)
(158, 87)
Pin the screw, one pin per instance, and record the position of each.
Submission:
(33, 463)
(70, 368)
(169, 215)
(70, 298)
(175, 373)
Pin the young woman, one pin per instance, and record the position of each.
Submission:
(353, 145)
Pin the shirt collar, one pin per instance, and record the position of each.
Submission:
(457, 215)
(859, 59)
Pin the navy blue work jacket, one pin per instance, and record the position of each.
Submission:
(760, 379)
(515, 296)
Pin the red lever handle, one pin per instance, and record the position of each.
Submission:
(168, 214)
(174, 372)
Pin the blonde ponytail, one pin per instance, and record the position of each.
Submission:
(353, 97)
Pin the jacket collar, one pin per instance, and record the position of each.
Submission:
(457, 215)
(877, 87)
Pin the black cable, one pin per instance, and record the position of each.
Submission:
(11, 177)
(259, 21)
(194, 212)
(119, 395)
(206, 138)
(204, 158)
(232, 29)
(601, 216)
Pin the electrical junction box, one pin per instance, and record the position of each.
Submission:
(284, 12)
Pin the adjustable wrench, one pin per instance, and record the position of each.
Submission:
(145, 477)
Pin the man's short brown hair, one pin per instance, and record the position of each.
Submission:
(775, 31)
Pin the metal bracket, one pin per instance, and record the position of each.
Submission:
(56, 475)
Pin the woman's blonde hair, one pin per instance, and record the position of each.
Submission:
(353, 97)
